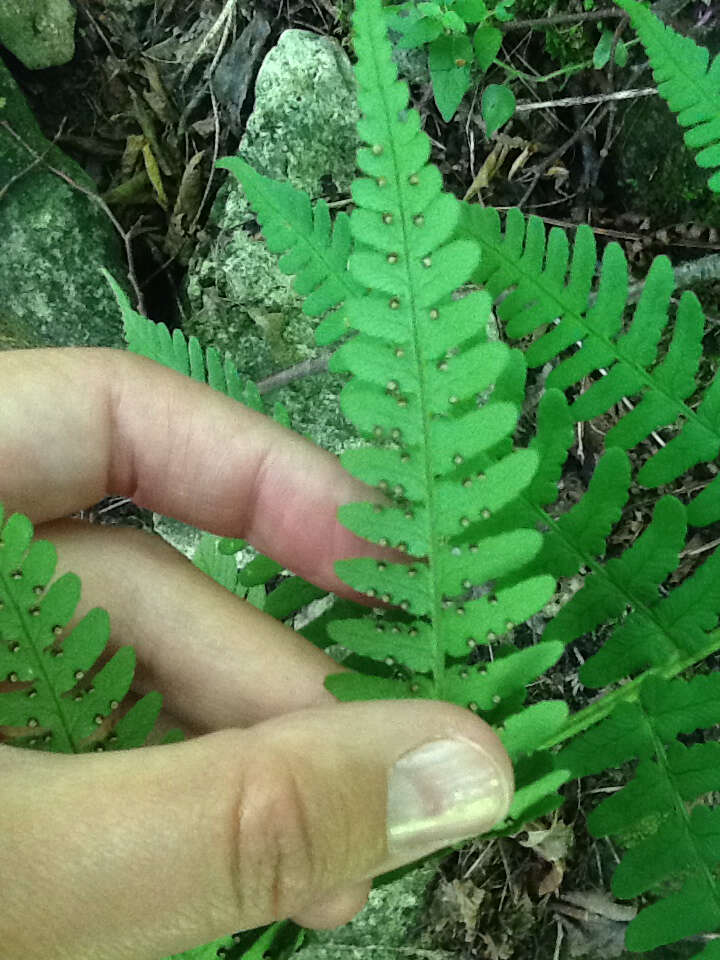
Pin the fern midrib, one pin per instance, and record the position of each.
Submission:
(431, 534)
(39, 667)
(629, 692)
(580, 318)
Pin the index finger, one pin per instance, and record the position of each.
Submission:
(82, 423)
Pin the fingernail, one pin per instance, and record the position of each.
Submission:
(443, 792)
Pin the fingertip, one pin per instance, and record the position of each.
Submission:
(337, 910)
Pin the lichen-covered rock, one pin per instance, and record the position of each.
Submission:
(53, 241)
(41, 33)
(302, 130)
(388, 928)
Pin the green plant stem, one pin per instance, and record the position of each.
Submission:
(564, 71)
(597, 711)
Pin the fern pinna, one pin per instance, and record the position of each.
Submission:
(54, 707)
(686, 80)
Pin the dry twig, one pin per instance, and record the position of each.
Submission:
(581, 101)
(38, 159)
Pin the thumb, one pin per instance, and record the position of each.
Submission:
(139, 854)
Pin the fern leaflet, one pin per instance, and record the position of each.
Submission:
(686, 80)
(153, 340)
(549, 295)
(52, 709)
(679, 836)
(315, 251)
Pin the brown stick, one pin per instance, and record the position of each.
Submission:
(38, 159)
(581, 101)
(559, 19)
(305, 368)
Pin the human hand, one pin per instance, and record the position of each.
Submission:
(283, 802)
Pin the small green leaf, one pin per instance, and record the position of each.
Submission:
(290, 596)
(498, 105)
(451, 21)
(228, 545)
(487, 42)
(429, 9)
(416, 33)
(449, 60)
(601, 55)
(503, 12)
(472, 11)
(259, 570)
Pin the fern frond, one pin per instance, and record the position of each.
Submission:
(153, 340)
(548, 295)
(315, 250)
(422, 369)
(53, 710)
(686, 80)
(678, 842)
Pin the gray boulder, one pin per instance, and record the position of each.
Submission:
(41, 33)
(54, 239)
(302, 130)
(390, 927)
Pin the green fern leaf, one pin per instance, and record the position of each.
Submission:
(52, 709)
(686, 80)
(441, 405)
(153, 340)
(679, 844)
(631, 579)
(314, 251)
(545, 289)
(427, 416)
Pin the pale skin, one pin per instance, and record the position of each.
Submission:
(275, 806)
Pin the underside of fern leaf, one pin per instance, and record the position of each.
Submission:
(686, 80)
(52, 709)
(442, 453)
